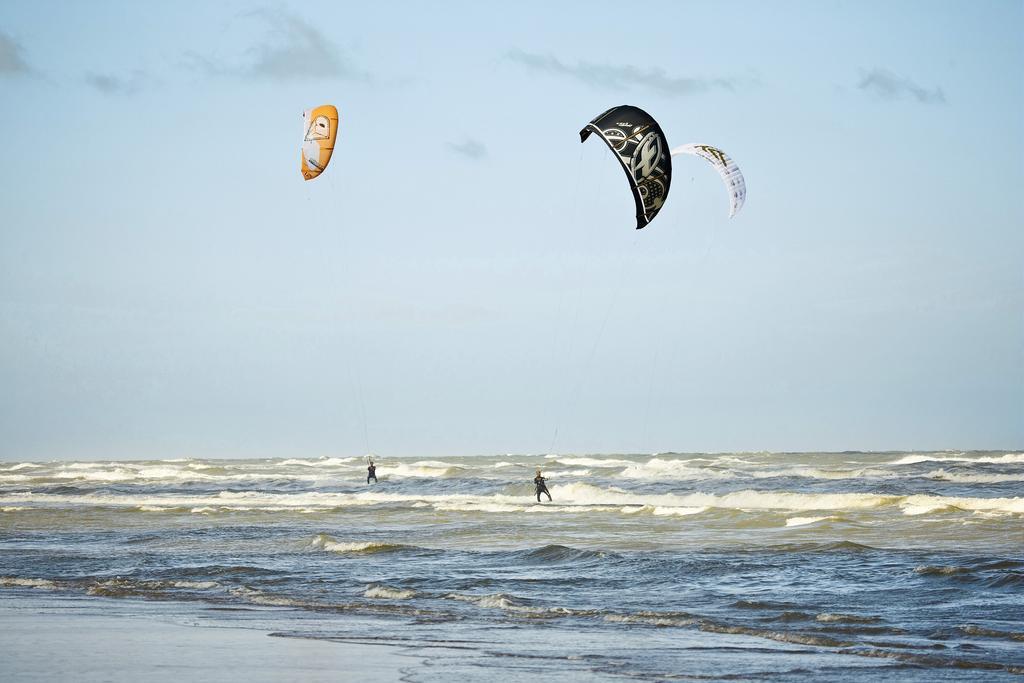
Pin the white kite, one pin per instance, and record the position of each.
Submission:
(726, 168)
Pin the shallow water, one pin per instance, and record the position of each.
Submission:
(744, 565)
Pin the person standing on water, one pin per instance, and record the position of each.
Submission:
(371, 472)
(541, 487)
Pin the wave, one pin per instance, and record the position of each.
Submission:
(831, 547)
(231, 571)
(712, 470)
(155, 475)
(997, 574)
(509, 603)
(794, 637)
(943, 571)
(318, 462)
(804, 521)
(959, 478)
(590, 462)
(972, 630)
(569, 497)
(159, 508)
(927, 509)
(126, 587)
(582, 493)
(16, 582)
(680, 470)
(387, 593)
(660, 511)
(422, 469)
(20, 466)
(763, 604)
(476, 506)
(329, 544)
(560, 474)
(504, 463)
(652, 619)
(934, 661)
(258, 597)
(827, 617)
(1008, 459)
(553, 554)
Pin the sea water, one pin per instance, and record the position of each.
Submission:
(776, 566)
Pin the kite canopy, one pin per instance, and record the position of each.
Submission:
(319, 130)
(726, 167)
(641, 148)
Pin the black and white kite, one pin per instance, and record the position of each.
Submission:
(641, 148)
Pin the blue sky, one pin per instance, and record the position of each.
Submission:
(465, 277)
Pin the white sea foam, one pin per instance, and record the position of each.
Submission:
(258, 597)
(165, 471)
(559, 474)
(510, 604)
(694, 469)
(804, 521)
(914, 510)
(678, 511)
(991, 514)
(195, 585)
(581, 493)
(1007, 459)
(424, 469)
(591, 462)
(318, 462)
(386, 593)
(658, 468)
(20, 466)
(494, 601)
(328, 544)
(836, 474)
(1015, 505)
(570, 495)
(438, 464)
(112, 475)
(476, 506)
(649, 618)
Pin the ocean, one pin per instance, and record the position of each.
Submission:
(672, 566)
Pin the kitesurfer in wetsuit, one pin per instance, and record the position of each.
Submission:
(541, 487)
(371, 473)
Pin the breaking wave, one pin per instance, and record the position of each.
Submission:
(386, 593)
(1009, 458)
(326, 543)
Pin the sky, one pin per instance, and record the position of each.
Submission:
(465, 278)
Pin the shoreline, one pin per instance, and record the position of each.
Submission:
(52, 637)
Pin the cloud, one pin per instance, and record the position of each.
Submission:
(471, 149)
(623, 77)
(12, 62)
(889, 86)
(292, 50)
(113, 85)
